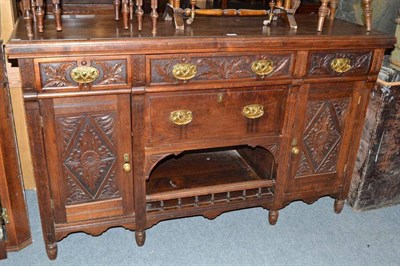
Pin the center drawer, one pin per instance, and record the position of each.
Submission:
(183, 117)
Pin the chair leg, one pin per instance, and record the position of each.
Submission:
(322, 13)
(367, 13)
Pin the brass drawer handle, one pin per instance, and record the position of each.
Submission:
(181, 117)
(262, 67)
(184, 71)
(84, 74)
(341, 65)
(253, 111)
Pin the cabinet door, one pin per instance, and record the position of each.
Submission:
(87, 141)
(322, 137)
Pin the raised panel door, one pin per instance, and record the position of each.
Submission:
(87, 142)
(322, 136)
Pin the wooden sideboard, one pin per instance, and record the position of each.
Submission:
(130, 128)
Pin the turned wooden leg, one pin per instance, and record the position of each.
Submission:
(367, 13)
(273, 217)
(125, 13)
(140, 237)
(338, 206)
(57, 14)
(139, 13)
(51, 250)
(40, 15)
(322, 13)
(333, 7)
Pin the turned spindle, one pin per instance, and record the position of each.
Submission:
(131, 7)
(322, 13)
(116, 9)
(333, 7)
(139, 13)
(125, 13)
(367, 13)
(26, 9)
(271, 9)
(57, 14)
(154, 15)
(287, 4)
(40, 15)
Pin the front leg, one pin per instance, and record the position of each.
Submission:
(273, 217)
(140, 237)
(338, 205)
(51, 250)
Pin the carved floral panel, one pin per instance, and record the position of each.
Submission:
(89, 157)
(220, 67)
(57, 74)
(322, 135)
(320, 63)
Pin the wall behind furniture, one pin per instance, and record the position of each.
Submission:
(384, 13)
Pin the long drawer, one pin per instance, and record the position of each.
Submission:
(199, 116)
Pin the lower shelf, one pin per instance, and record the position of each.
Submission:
(199, 179)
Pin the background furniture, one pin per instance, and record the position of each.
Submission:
(13, 212)
(129, 131)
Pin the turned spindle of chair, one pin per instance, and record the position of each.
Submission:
(139, 13)
(154, 15)
(324, 11)
(39, 15)
(125, 13)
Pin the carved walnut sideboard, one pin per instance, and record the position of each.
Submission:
(130, 128)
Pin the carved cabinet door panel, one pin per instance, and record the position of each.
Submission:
(321, 138)
(87, 142)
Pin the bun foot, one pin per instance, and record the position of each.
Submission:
(273, 217)
(338, 206)
(51, 250)
(140, 237)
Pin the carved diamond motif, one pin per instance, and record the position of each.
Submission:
(90, 157)
(322, 136)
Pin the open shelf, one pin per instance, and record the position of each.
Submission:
(211, 177)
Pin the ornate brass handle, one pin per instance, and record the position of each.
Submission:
(181, 117)
(341, 65)
(253, 111)
(184, 71)
(84, 74)
(262, 67)
(295, 150)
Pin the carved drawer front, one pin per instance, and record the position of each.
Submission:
(81, 73)
(225, 114)
(339, 63)
(210, 67)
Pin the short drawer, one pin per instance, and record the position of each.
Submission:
(225, 114)
(83, 73)
(339, 63)
(189, 68)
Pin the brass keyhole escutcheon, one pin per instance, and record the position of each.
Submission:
(220, 97)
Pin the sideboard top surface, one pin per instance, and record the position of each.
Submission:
(95, 33)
